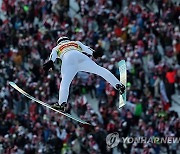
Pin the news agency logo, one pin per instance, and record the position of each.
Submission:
(113, 139)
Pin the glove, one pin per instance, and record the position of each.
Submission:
(97, 54)
(48, 65)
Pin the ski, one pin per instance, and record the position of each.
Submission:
(45, 104)
(123, 80)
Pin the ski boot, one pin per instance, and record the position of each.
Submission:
(120, 88)
(62, 107)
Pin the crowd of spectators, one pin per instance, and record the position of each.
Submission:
(149, 42)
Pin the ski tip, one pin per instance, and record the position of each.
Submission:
(11, 83)
(121, 62)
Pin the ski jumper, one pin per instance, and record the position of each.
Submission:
(73, 61)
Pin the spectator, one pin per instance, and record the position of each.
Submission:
(147, 40)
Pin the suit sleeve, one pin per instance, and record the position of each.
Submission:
(53, 55)
(85, 48)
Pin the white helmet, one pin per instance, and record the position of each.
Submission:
(61, 39)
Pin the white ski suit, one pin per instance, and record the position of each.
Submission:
(73, 61)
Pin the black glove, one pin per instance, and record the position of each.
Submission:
(48, 65)
(97, 54)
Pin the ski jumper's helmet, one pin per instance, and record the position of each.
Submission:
(61, 39)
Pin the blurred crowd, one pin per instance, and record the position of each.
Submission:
(147, 39)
